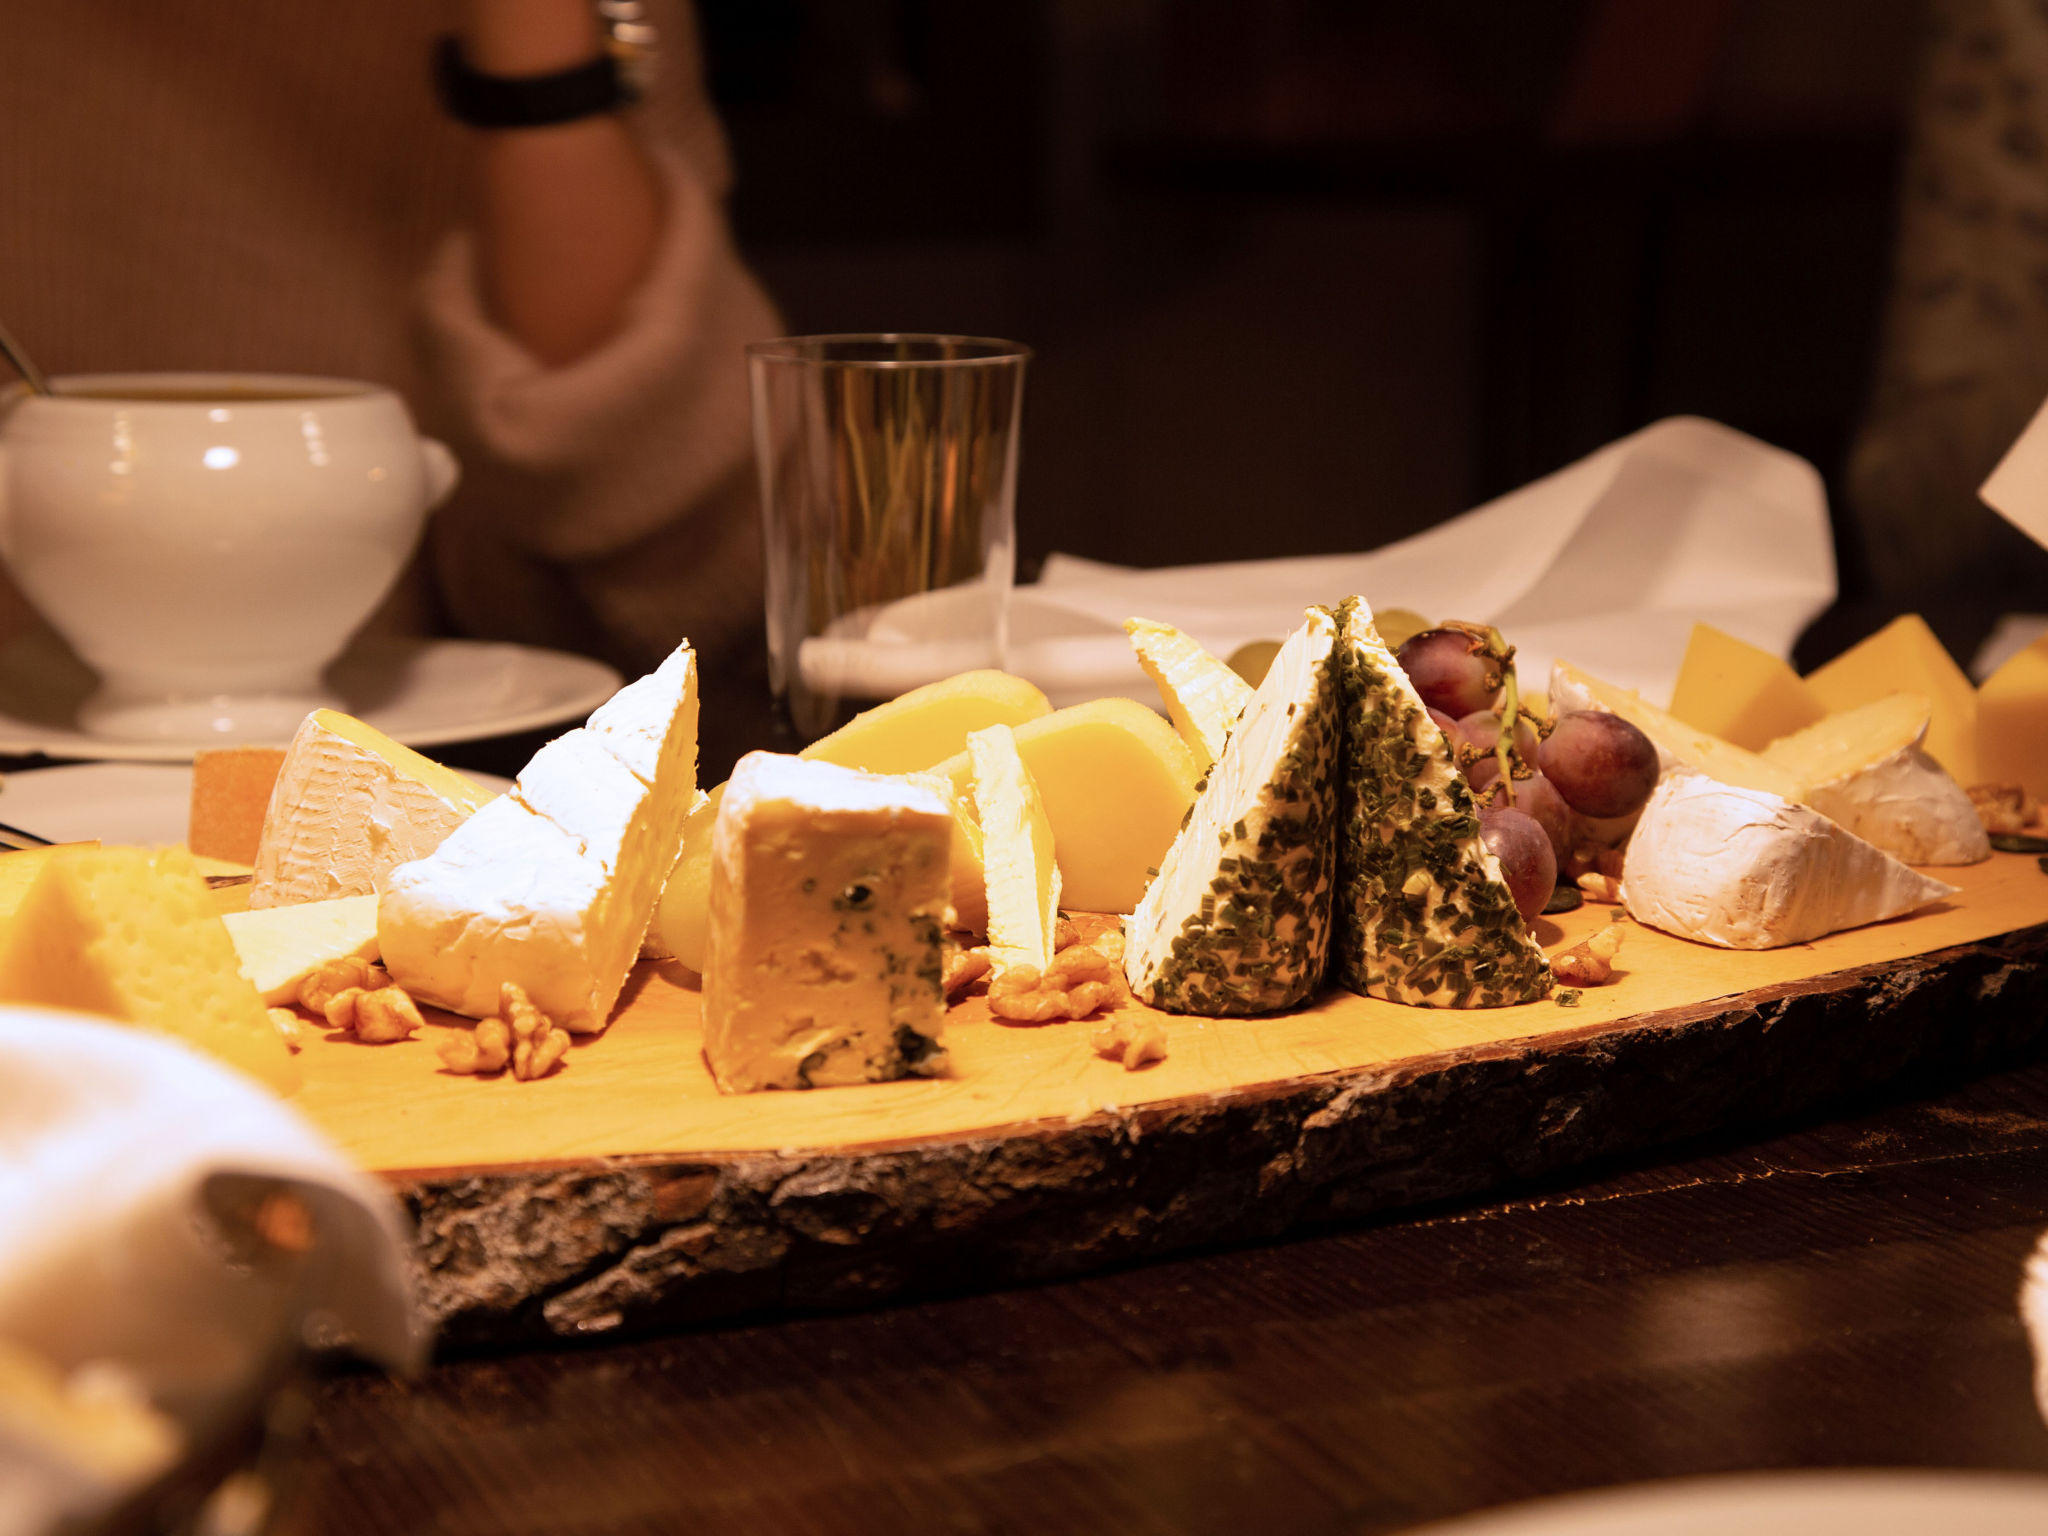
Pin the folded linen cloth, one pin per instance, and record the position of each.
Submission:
(1608, 562)
(117, 1147)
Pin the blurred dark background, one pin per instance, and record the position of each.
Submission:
(1310, 275)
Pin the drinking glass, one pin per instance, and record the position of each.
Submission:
(888, 488)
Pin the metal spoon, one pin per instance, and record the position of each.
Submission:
(23, 364)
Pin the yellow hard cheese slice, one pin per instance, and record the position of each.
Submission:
(1740, 692)
(929, 724)
(552, 886)
(1203, 696)
(1905, 655)
(1023, 881)
(1116, 781)
(278, 947)
(131, 933)
(18, 870)
(349, 806)
(824, 960)
(2012, 722)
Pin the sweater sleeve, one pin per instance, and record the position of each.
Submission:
(629, 438)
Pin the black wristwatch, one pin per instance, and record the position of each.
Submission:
(528, 101)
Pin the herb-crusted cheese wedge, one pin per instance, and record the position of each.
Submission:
(1422, 914)
(1238, 920)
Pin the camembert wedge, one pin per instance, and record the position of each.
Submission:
(552, 885)
(824, 963)
(1747, 869)
(349, 806)
(1422, 915)
(1238, 920)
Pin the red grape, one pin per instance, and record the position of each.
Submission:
(1537, 798)
(1482, 729)
(1527, 863)
(1449, 727)
(1602, 765)
(1450, 671)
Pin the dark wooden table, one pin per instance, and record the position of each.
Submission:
(1840, 1292)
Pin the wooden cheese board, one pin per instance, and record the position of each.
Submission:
(625, 1192)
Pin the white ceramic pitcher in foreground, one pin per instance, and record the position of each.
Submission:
(208, 543)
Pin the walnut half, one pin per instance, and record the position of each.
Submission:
(1080, 980)
(1136, 1043)
(520, 1036)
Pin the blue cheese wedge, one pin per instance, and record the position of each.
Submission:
(1423, 916)
(1238, 920)
(552, 885)
(1021, 880)
(829, 888)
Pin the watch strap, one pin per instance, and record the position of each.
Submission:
(526, 101)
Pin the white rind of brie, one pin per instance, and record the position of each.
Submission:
(343, 816)
(552, 885)
(1747, 869)
(1908, 806)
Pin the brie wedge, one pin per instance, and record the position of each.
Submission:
(552, 885)
(1238, 920)
(1747, 869)
(1022, 882)
(349, 806)
(1422, 913)
(1868, 770)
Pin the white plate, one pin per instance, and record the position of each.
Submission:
(116, 802)
(423, 692)
(1867, 1503)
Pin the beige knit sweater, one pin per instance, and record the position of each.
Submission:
(270, 185)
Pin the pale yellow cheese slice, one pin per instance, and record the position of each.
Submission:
(1023, 880)
(1203, 696)
(929, 724)
(1116, 780)
(1852, 739)
(1905, 656)
(278, 947)
(1740, 692)
(132, 934)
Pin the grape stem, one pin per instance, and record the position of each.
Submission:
(1510, 712)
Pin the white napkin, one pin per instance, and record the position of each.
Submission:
(1607, 563)
(109, 1138)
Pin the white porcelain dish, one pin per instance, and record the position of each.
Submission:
(1845, 1503)
(426, 693)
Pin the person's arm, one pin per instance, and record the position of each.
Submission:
(569, 215)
